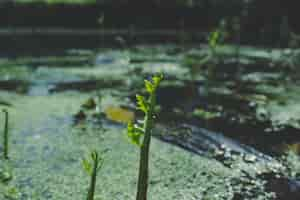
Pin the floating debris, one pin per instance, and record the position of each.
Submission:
(119, 114)
(80, 116)
(89, 104)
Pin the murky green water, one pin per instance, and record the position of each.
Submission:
(46, 146)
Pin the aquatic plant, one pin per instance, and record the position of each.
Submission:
(213, 57)
(5, 134)
(5, 174)
(213, 41)
(12, 193)
(217, 37)
(92, 165)
(136, 131)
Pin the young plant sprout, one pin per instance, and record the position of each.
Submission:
(92, 165)
(5, 134)
(135, 132)
(213, 41)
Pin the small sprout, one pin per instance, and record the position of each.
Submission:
(87, 166)
(5, 175)
(136, 131)
(89, 104)
(79, 117)
(149, 86)
(5, 134)
(92, 166)
(12, 193)
(213, 39)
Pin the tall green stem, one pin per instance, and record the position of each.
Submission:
(92, 187)
(135, 131)
(144, 153)
(5, 135)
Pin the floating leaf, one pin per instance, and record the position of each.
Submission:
(89, 104)
(206, 115)
(118, 114)
(293, 147)
(80, 116)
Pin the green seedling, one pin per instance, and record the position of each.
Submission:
(213, 56)
(217, 37)
(213, 40)
(92, 165)
(137, 131)
(5, 134)
(5, 175)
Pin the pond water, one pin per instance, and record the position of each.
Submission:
(190, 159)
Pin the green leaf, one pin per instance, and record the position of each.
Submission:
(134, 134)
(87, 166)
(149, 86)
(156, 80)
(130, 127)
(135, 138)
(134, 131)
(94, 156)
(142, 104)
(135, 128)
(213, 39)
(100, 163)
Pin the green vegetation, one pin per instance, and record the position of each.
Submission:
(5, 134)
(136, 131)
(47, 150)
(58, 1)
(5, 175)
(46, 146)
(92, 165)
(203, 114)
(213, 41)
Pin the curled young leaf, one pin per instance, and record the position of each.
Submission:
(134, 134)
(149, 86)
(142, 104)
(99, 163)
(94, 160)
(130, 127)
(94, 156)
(213, 39)
(87, 166)
(156, 80)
